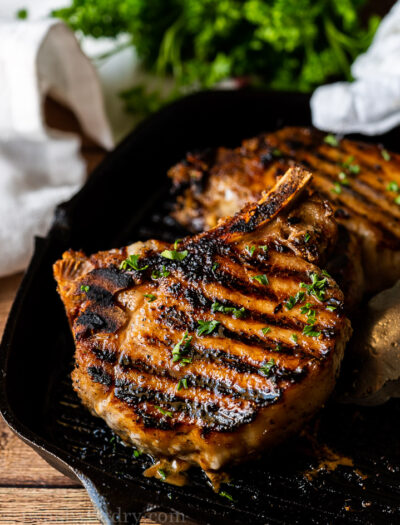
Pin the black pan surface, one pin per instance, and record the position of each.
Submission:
(126, 199)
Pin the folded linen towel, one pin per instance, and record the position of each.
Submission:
(370, 104)
(40, 167)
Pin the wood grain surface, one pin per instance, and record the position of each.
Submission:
(30, 490)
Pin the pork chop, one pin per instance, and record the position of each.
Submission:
(216, 348)
(361, 181)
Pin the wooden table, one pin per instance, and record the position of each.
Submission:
(30, 490)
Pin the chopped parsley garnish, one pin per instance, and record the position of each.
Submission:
(307, 237)
(160, 273)
(150, 297)
(250, 250)
(265, 330)
(181, 348)
(393, 186)
(262, 279)
(310, 332)
(343, 178)
(264, 248)
(337, 188)
(163, 411)
(206, 327)
(162, 474)
(137, 453)
(266, 369)
(305, 309)
(174, 255)
(276, 152)
(354, 169)
(294, 338)
(132, 262)
(385, 154)
(351, 168)
(182, 383)
(176, 243)
(236, 312)
(225, 495)
(324, 272)
(331, 140)
(317, 286)
(311, 320)
(85, 288)
(215, 266)
(278, 347)
(292, 301)
(331, 308)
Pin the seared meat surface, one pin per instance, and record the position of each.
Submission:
(361, 182)
(218, 347)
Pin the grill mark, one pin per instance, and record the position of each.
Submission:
(99, 375)
(231, 361)
(113, 275)
(356, 194)
(185, 320)
(100, 295)
(209, 415)
(272, 270)
(218, 387)
(92, 321)
(390, 237)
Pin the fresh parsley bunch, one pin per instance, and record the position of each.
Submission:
(276, 44)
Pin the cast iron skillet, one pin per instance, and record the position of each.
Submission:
(127, 199)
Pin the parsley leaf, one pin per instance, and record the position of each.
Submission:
(262, 279)
(160, 273)
(267, 367)
(250, 250)
(162, 474)
(206, 327)
(85, 288)
(236, 312)
(150, 297)
(174, 255)
(294, 338)
(182, 383)
(265, 330)
(132, 262)
(331, 140)
(310, 332)
(292, 301)
(181, 348)
(337, 188)
(163, 411)
(393, 186)
(385, 154)
(225, 495)
(317, 286)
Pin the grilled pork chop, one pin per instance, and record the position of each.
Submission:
(361, 182)
(218, 347)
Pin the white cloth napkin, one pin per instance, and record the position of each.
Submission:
(39, 167)
(370, 104)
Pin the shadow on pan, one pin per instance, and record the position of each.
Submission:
(126, 199)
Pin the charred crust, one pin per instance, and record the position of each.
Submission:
(99, 375)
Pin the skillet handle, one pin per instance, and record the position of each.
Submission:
(117, 502)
